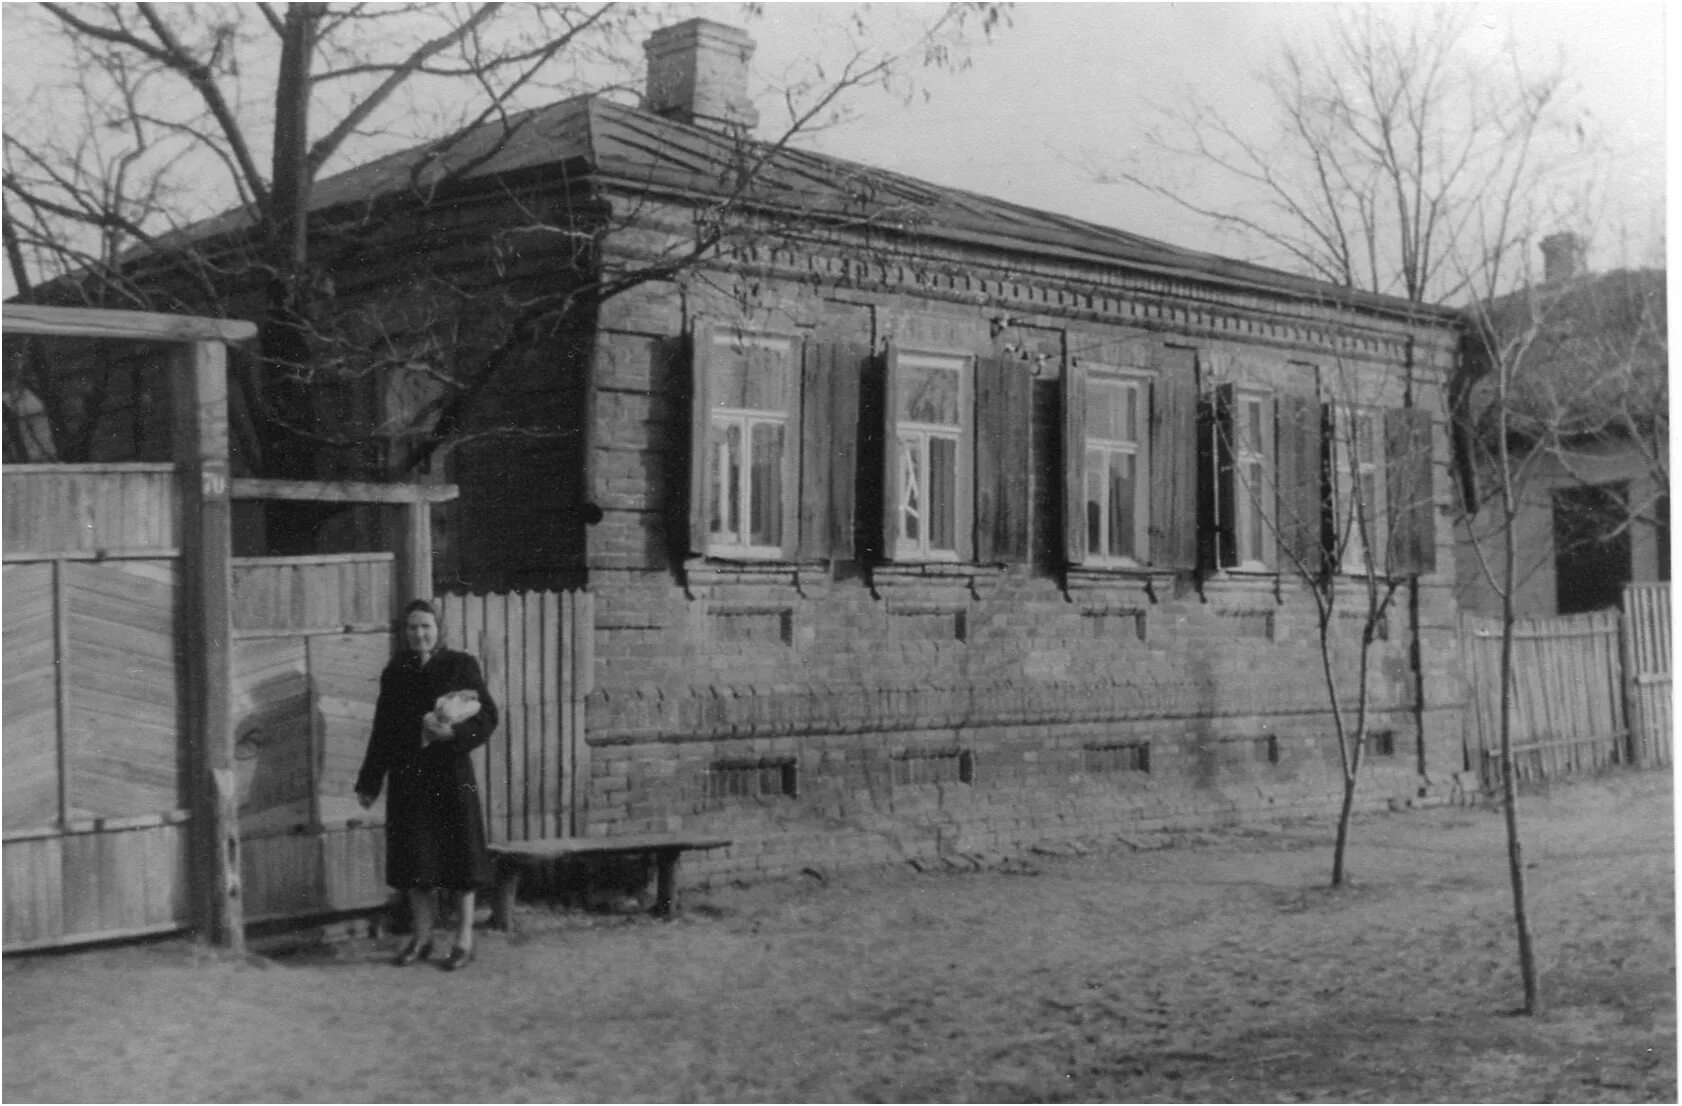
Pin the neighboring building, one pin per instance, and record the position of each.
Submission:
(1588, 431)
(917, 521)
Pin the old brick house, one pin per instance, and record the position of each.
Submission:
(919, 522)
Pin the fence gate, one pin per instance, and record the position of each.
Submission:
(311, 635)
(96, 811)
(1647, 671)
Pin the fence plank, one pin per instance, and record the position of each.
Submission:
(567, 688)
(531, 714)
(512, 609)
(549, 679)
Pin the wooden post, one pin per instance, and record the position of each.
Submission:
(201, 454)
(414, 568)
(1631, 690)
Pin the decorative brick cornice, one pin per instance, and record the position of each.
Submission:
(1052, 292)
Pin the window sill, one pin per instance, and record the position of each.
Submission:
(702, 574)
(1246, 580)
(744, 554)
(900, 574)
(1153, 583)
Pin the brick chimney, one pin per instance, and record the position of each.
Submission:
(698, 73)
(1562, 257)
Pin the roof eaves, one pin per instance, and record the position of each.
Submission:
(1289, 286)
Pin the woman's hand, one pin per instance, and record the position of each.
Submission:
(433, 729)
(366, 798)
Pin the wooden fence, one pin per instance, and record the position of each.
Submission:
(183, 728)
(115, 823)
(1647, 671)
(1588, 691)
(535, 651)
(306, 675)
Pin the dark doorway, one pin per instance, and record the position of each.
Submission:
(1592, 561)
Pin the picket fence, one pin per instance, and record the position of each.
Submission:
(1588, 691)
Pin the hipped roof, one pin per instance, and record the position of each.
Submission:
(622, 147)
(1587, 352)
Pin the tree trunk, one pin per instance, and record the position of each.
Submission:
(1345, 813)
(288, 454)
(1509, 776)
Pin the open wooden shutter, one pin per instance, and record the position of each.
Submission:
(1410, 505)
(1173, 475)
(1074, 464)
(829, 430)
(1333, 539)
(890, 451)
(794, 449)
(1003, 408)
(1300, 503)
(700, 416)
(1225, 471)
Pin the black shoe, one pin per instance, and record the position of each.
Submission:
(458, 959)
(412, 952)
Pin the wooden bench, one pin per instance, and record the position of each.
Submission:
(512, 856)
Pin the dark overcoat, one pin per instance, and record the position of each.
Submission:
(434, 824)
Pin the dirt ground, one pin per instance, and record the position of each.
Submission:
(1207, 967)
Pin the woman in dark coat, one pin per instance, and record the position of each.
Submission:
(434, 825)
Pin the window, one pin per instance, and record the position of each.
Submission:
(1244, 507)
(1131, 466)
(750, 390)
(1359, 525)
(1116, 503)
(930, 486)
(1254, 452)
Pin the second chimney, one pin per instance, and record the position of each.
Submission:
(1562, 257)
(698, 73)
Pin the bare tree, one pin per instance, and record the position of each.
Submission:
(176, 162)
(1354, 543)
(1392, 149)
(1399, 165)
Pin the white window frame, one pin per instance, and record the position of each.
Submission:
(735, 541)
(1140, 450)
(918, 435)
(1356, 557)
(1253, 502)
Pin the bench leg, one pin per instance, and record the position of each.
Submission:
(507, 888)
(665, 883)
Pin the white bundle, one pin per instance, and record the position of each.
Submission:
(457, 706)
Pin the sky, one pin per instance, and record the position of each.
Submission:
(1066, 87)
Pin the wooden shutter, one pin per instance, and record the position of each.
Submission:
(1003, 408)
(1410, 505)
(829, 429)
(1173, 476)
(890, 451)
(1300, 503)
(1074, 463)
(1225, 471)
(700, 416)
(1333, 539)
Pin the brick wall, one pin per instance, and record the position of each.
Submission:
(839, 713)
